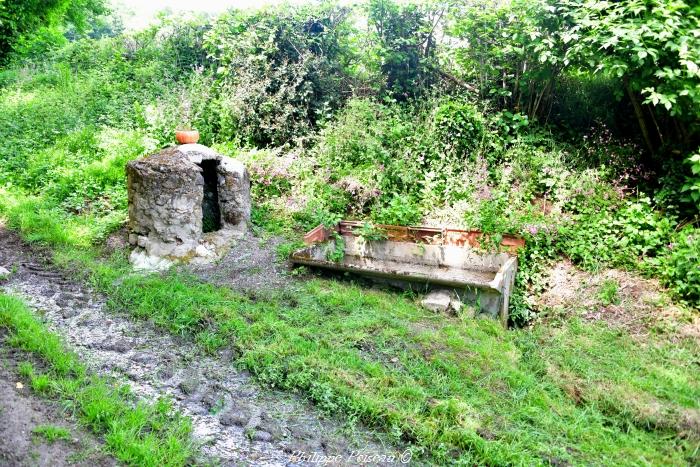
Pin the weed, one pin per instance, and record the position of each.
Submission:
(337, 252)
(369, 232)
(284, 250)
(210, 341)
(51, 433)
(608, 294)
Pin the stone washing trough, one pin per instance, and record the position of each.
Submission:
(421, 258)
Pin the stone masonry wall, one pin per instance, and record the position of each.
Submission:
(165, 193)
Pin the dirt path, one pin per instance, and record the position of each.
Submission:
(236, 421)
(641, 307)
(251, 266)
(21, 412)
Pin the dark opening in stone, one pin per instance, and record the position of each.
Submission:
(211, 215)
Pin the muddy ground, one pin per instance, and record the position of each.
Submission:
(21, 412)
(251, 266)
(236, 421)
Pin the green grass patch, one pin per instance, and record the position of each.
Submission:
(51, 433)
(137, 433)
(609, 293)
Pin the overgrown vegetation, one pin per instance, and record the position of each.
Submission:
(572, 123)
(518, 129)
(137, 433)
(455, 389)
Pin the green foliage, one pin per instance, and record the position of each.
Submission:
(322, 216)
(337, 252)
(369, 232)
(609, 293)
(459, 141)
(515, 52)
(281, 70)
(210, 341)
(21, 19)
(400, 210)
(385, 341)
(691, 187)
(292, 348)
(404, 45)
(490, 217)
(633, 233)
(655, 48)
(74, 116)
(678, 267)
(459, 128)
(285, 249)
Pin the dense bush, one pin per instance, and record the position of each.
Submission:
(678, 267)
(32, 26)
(282, 70)
(623, 237)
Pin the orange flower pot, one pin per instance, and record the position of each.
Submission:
(186, 136)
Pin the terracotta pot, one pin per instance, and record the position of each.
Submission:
(186, 136)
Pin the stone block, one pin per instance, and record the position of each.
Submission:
(437, 301)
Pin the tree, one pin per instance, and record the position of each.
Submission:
(652, 47)
(405, 45)
(22, 18)
(281, 69)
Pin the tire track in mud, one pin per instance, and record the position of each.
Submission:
(235, 420)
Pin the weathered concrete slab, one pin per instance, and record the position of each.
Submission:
(485, 279)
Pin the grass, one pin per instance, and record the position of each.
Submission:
(51, 433)
(136, 433)
(455, 390)
(609, 293)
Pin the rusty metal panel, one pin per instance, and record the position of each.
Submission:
(418, 234)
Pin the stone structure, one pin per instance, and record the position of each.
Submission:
(186, 203)
(422, 258)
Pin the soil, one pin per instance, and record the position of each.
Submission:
(251, 266)
(21, 412)
(642, 307)
(235, 420)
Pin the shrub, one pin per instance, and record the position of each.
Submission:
(400, 210)
(359, 137)
(281, 70)
(691, 187)
(679, 267)
(317, 213)
(623, 238)
(459, 129)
